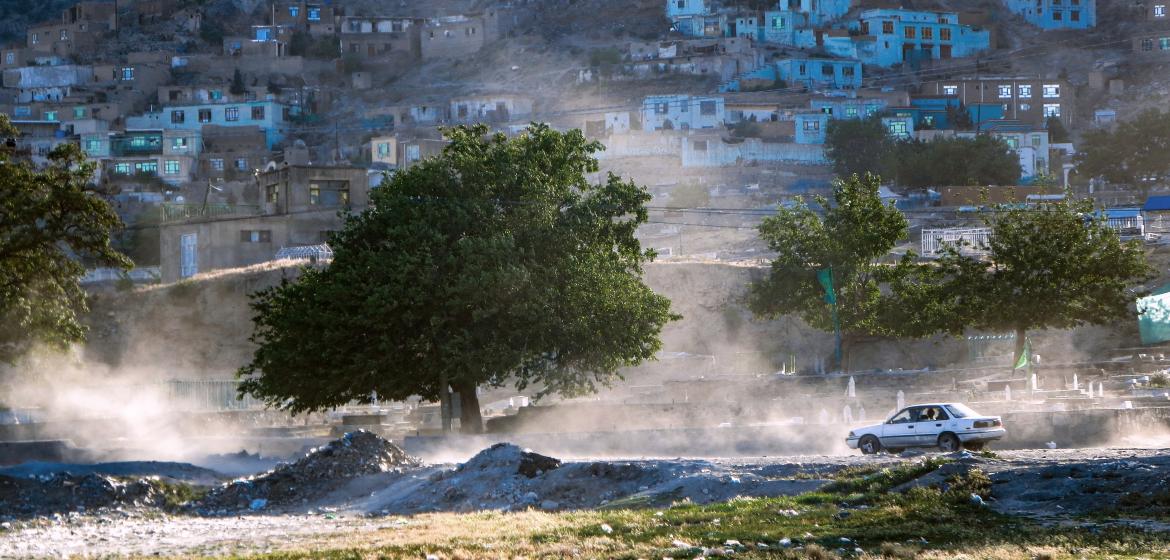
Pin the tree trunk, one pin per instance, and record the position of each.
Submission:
(470, 420)
(846, 350)
(444, 402)
(1021, 337)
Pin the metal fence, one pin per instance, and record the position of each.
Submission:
(180, 212)
(966, 240)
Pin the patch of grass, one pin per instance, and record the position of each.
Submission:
(175, 494)
(874, 480)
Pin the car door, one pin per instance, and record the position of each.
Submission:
(898, 431)
(928, 429)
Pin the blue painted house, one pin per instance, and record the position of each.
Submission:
(907, 36)
(269, 116)
(810, 127)
(820, 73)
(788, 28)
(1056, 14)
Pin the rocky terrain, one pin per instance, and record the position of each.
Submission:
(363, 483)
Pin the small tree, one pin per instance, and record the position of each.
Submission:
(1058, 265)
(237, 87)
(856, 231)
(496, 262)
(1134, 153)
(49, 219)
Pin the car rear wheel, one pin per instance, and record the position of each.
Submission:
(949, 443)
(869, 445)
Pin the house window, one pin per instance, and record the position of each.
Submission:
(1012, 142)
(21, 111)
(802, 69)
(1005, 92)
(64, 35)
(888, 27)
(178, 117)
(255, 236)
(258, 113)
(35, 38)
(150, 167)
(1159, 11)
(1051, 90)
(270, 193)
(216, 94)
(179, 144)
(685, 107)
(383, 149)
(171, 167)
(812, 126)
(294, 11)
(928, 33)
(899, 128)
(79, 112)
(847, 71)
(329, 193)
(910, 32)
(682, 4)
(314, 14)
(231, 114)
(10, 57)
(661, 108)
(1164, 43)
(1025, 107)
(851, 111)
(127, 73)
(249, 96)
(93, 146)
(826, 70)
(1037, 140)
(944, 34)
(122, 168)
(1052, 109)
(1074, 15)
(50, 115)
(1057, 16)
(205, 115)
(950, 90)
(1147, 44)
(778, 23)
(241, 164)
(1025, 92)
(706, 107)
(217, 164)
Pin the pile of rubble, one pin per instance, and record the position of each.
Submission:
(355, 454)
(63, 492)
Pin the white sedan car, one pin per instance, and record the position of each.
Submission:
(948, 426)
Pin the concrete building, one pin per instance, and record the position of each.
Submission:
(298, 206)
(682, 112)
(317, 18)
(811, 127)
(454, 36)
(501, 107)
(381, 37)
(1056, 14)
(894, 36)
(820, 73)
(848, 108)
(384, 151)
(169, 155)
(1029, 100)
(787, 28)
(1152, 46)
(232, 153)
(47, 83)
(269, 116)
(78, 31)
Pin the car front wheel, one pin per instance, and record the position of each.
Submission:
(949, 443)
(869, 445)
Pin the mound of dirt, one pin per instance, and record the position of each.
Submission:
(508, 457)
(63, 492)
(355, 454)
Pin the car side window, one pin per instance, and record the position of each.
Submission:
(901, 418)
(940, 414)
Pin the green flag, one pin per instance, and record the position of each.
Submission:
(1025, 356)
(825, 277)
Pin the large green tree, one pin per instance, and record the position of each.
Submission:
(496, 262)
(1133, 153)
(51, 222)
(851, 235)
(1057, 265)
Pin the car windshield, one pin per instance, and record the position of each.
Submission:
(961, 411)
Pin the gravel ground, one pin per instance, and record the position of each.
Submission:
(1051, 484)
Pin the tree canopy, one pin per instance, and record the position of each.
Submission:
(50, 220)
(496, 262)
(859, 146)
(851, 235)
(1057, 265)
(1133, 153)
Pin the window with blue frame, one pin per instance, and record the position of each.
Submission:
(294, 11)
(314, 14)
(122, 168)
(171, 167)
(147, 167)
